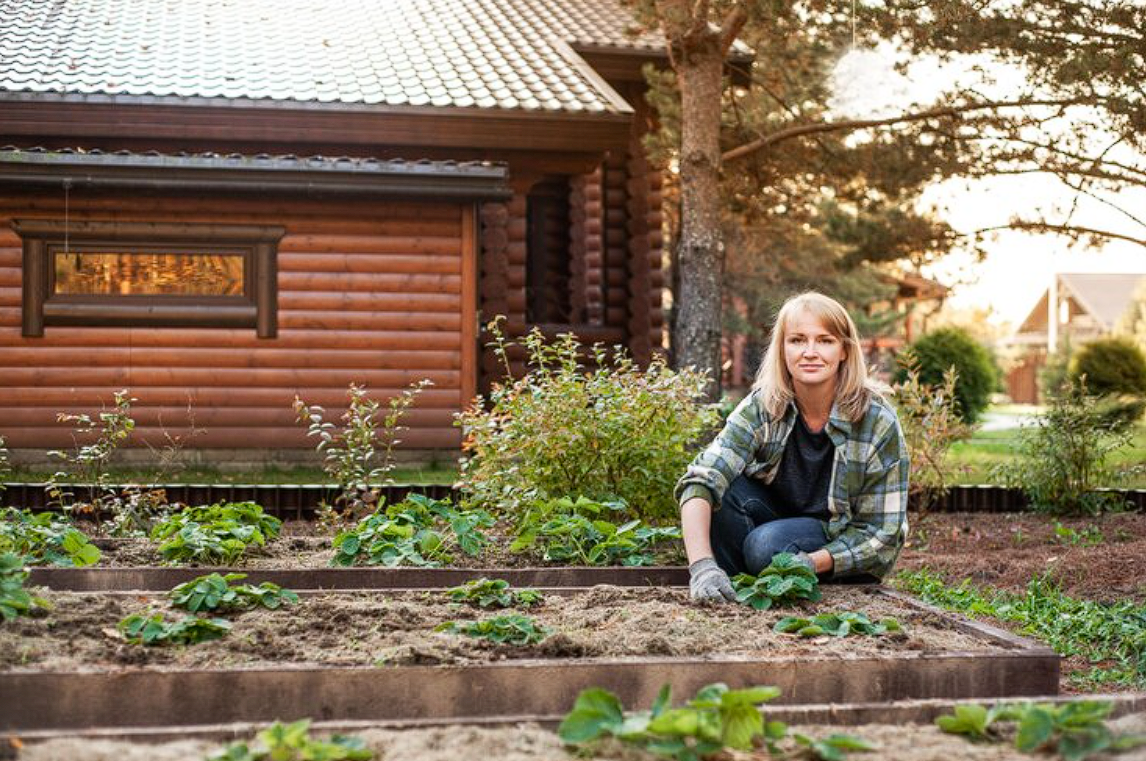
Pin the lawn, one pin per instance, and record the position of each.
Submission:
(995, 444)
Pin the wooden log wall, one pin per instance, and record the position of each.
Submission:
(369, 292)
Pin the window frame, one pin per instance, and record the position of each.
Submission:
(256, 308)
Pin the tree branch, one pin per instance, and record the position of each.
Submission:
(801, 130)
(731, 27)
(1060, 229)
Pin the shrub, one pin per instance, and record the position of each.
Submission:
(1062, 458)
(976, 373)
(616, 432)
(1111, 366)
(931, 425)
(1115, 369)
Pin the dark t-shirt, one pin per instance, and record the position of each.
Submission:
(801, 484)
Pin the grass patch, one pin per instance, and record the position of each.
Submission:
(974, 459)
(1111, 636)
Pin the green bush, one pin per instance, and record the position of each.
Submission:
(1062, 459)
(613, 433)
(976, 372)
(1111, 366)
(1114, 369)
(220, 533)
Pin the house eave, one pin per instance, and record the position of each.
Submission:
(70, 118)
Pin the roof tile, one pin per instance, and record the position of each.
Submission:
(394, 53)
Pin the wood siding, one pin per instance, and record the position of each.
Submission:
(380, 293)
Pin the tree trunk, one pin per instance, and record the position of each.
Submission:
(700, 253)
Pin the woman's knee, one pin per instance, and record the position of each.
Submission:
(766, 541)
(743, 497)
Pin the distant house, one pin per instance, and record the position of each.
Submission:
(1077, 307)
(162, 228)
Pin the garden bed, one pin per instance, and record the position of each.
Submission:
(898, 736)
(375, 656)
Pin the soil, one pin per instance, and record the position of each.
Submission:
(529, 742)
(374, 628)
(1006, 550)
(306, 545)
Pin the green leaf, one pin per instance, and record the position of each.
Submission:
(596, 712)
(1078, 744)
(1035, 729)
(742, 723)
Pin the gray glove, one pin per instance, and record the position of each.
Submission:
(805, 560)
(708, 582)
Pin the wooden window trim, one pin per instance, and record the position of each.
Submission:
(256, 308)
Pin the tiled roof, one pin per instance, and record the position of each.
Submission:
(508, 54)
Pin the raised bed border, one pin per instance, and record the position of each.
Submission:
(31, 700)
(300, 501)
(832, 714)
(162, 579)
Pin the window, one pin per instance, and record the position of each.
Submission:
(140, 274)
(547, 275)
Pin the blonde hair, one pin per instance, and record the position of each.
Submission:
(853, 388)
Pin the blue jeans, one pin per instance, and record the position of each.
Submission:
(748, 530)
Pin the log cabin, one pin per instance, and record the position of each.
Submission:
(221, 204)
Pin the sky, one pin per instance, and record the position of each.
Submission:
(1019, 266)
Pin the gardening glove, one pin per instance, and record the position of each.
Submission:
(805, 560)
(708, 582)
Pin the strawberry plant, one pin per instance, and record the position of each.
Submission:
(494, 593)
(217, 593)
(292, 742)
(45, 538)
(1076, 730)
(835, 624)
(833, 747)
(219, 533)
(562, 530)
(784, 581)
(717, 718)
(417, 531)
(510, 629)
(155, 630)
(14, 599)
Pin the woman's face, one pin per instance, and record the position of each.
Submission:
(811, 353)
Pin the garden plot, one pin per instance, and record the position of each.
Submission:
(530, 742)
(377, 656)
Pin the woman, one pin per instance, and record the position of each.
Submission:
(812, 462)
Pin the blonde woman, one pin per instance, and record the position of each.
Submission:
(812, 462)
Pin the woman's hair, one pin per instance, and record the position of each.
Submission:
(853, 388)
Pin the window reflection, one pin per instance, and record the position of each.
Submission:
(149, 274)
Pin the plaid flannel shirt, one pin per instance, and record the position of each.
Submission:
(867, 496)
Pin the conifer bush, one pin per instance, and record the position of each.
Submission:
(976, 374)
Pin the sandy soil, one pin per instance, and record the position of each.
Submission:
(531, 743)
(397, 628)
